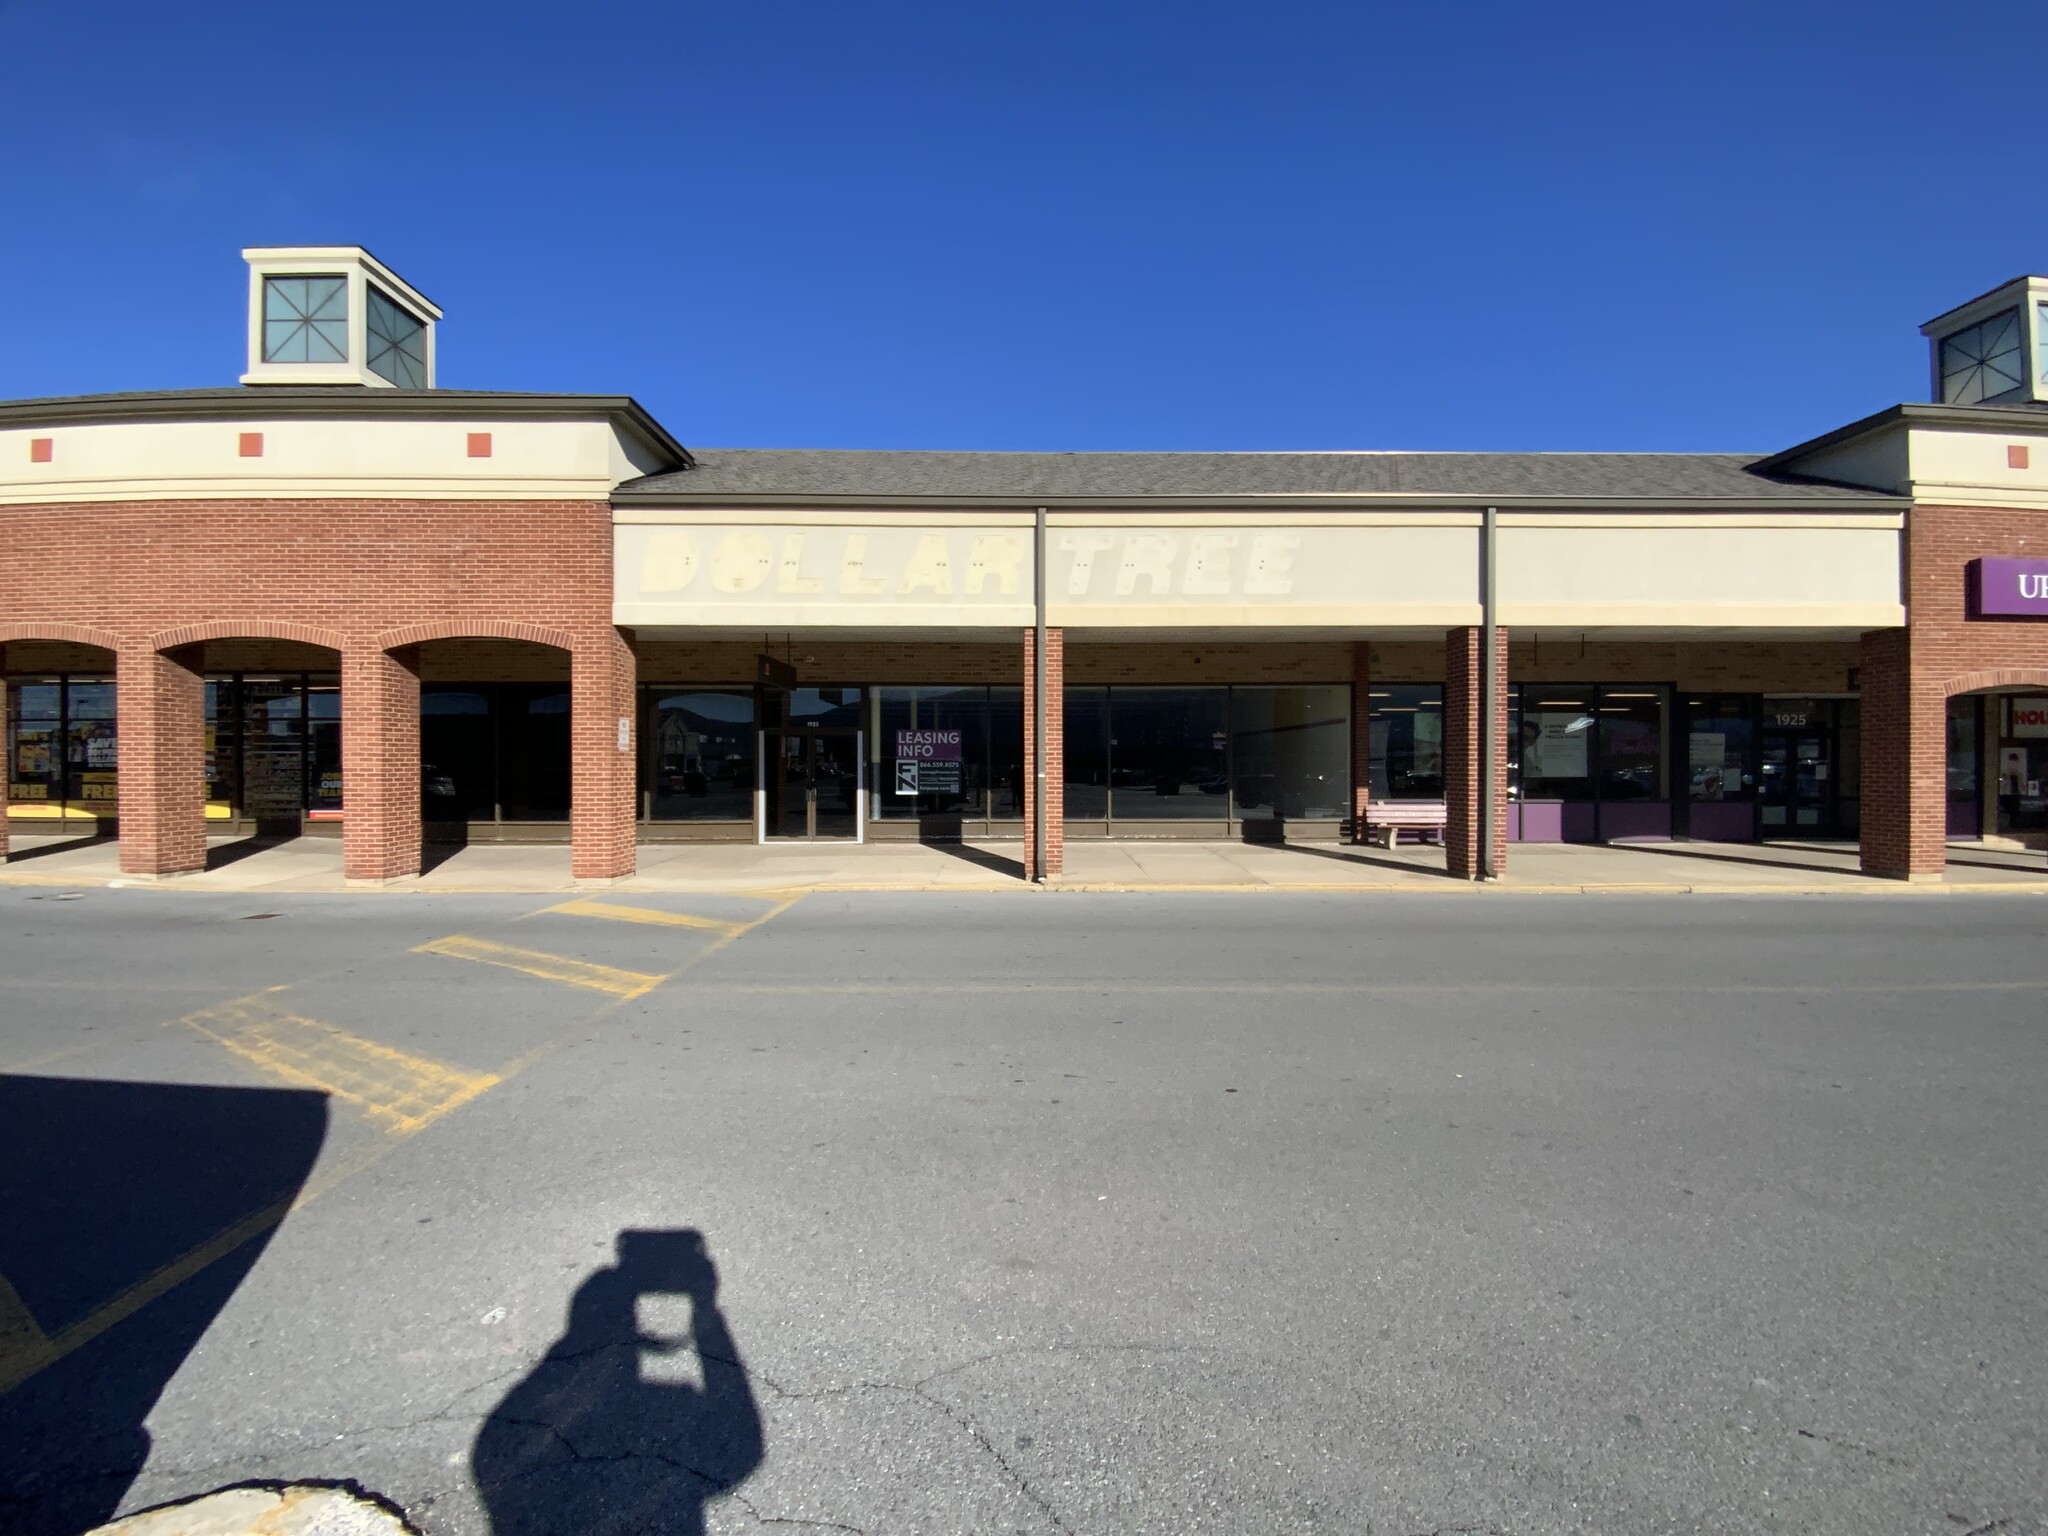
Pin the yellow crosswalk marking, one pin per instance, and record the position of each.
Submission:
(650, 915)
(402, 1092)
(24, 1347)
(574, 973)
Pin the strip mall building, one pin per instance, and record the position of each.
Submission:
(338, 599)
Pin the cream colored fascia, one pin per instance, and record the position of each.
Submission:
(1222, 616)
(1890, 522)
(811, 517)
(1271, 517)
(289, 488)
(1660, 616)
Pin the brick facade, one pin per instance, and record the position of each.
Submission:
(1054, 683)
(161, 583)
(1909, 675)
(1464, 763)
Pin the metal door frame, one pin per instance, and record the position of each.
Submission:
(860, 786)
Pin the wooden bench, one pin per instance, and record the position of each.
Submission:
(1386, 820)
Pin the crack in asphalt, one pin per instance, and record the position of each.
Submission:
(1862, 1450)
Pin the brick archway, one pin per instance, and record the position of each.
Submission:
(1999, 677)
(233, 629)
(422, 634)
(68, 634)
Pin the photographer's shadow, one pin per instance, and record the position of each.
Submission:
(592, 1441)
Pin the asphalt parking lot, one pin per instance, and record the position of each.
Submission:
(1029, 1213)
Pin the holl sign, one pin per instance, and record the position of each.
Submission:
(2004, 588)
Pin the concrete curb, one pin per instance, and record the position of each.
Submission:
(1849, 885)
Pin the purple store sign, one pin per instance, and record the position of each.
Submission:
(2002, 588)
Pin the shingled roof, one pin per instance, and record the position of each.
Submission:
(803, 474)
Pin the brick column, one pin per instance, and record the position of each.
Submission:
(380, 764)
(1462, 758)
(160, 707)
(1361, 737)
(1055, 752)
(1905, 768)
(604, 784)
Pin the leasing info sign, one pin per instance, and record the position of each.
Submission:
(928, 762)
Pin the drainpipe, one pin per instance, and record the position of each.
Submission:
(1038, 700)
(1490, 722)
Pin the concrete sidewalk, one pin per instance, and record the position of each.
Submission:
(314, 865)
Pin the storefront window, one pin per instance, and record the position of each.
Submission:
(533, 751)
(1168, 754)
(1291, 752)
(1558, 741)
(91, 751)
(1006, 753)
(323, 747)
(1717, 750)
(1635, 789)
(1965, 816)
(1087, 753)
(220, 749)
(1407, 726)
(1962, 748)
(947, 785)
(1632, 744)
(836, 707)
(2022, 764)
(35, 758)
(62, 749)
(702, 755)
(273, 748)
(458, 755)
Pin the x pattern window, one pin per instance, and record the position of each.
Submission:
(305, 320)
(1983, 362)
(398, 343)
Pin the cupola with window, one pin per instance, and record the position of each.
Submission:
(1994, 349)
(334, 314)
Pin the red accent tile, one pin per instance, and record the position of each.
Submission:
(41, 450)
(2016, 456)
(479, 445)
(252, 445)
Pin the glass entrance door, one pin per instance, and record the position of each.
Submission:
(1796, 783)
(811, 785)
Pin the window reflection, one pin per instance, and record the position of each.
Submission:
(1167, 753)
(1291, 752)
(1718, 751)
(1407, 734)
(702, 749)
(494, 752)
(1087, 753)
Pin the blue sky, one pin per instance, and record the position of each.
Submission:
(1094, 225)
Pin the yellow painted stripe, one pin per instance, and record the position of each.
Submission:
(574, 973)
(651, 916)
(402, 1092)
(24, 1348)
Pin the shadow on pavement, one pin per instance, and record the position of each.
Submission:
(631, 1423)
(221, 855)
(111, 1194)
(60, 845)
